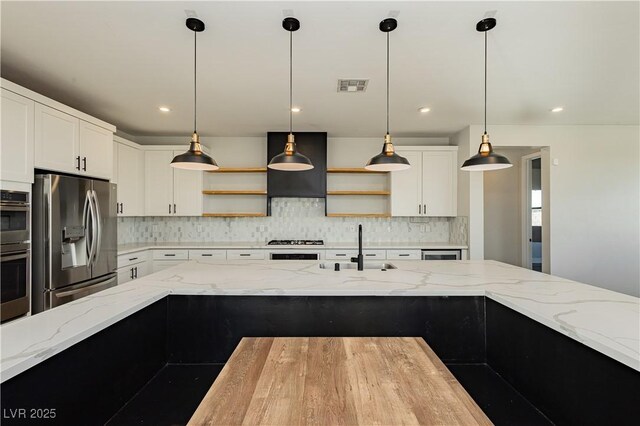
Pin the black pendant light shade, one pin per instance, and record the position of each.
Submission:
(290, 160)
(388, 160)
(194, 158)
(486, 159)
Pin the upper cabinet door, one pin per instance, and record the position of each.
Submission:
(439, 183)
(158, 180)
(406, 187)
(96, 150)
(16, 162)
(130, 180)
(56, 140)
(187, 191)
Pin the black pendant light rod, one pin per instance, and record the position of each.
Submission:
(195, 82)
(485, 82)
(387, 83)
(290, 82)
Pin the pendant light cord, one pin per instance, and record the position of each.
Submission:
(195, 81)
(387, 83)
(290, 82)
(485, 82)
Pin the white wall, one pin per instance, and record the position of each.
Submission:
(594, 199)
(502, 210)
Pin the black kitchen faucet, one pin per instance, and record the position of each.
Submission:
(359, 259)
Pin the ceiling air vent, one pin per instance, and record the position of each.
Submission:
(352, 85)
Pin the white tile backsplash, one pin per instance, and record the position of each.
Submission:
(291, 218)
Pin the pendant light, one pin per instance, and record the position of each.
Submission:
(486, 159)
(388, 160)
(194, 158)
(290, 160)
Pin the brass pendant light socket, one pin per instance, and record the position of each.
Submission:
(290, 146)
(388, 150)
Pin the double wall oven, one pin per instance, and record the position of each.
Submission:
(15, 254)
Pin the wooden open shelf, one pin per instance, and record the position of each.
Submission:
(358, 215)
(240, 170)
(352, 170)
(234, 214)
(358, 193)
(234, 192)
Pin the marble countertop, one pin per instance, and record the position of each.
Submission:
(132, 248)
(606, 321)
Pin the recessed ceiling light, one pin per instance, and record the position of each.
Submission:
(557, 109)
(424, 109)
(296, 109)
(164, 109)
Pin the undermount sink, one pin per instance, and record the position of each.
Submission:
(352, 265)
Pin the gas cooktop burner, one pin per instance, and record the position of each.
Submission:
(296, 243)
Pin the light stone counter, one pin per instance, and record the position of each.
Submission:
(606, 321)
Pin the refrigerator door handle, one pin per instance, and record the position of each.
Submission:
(98, 226)
(94, 229)
(86, 219)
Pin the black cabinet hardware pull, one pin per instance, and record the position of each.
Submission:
(169, 255)
(340, 254)
(131, 273)
(136, 269)
(245, 254)
(78, 162)
(84, 163)
(403, 254)
(174, 209)
(169, 208)
(132, 259)
(370, 254)
(419, 208)
(207, 255)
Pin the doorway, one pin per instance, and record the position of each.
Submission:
(532, 212)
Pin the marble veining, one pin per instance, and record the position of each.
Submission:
(606, 321)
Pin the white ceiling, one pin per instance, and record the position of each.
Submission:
(120, 60)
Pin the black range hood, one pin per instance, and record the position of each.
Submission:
(302, 184)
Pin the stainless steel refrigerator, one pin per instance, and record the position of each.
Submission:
(74, 240)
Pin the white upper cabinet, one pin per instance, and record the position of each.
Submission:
(96, 150)
(429, 187)
(57, 136)
(158, 179)
(169, 191)
(406, 187)
(187, 190)
(17, 127)
(439, 183)
(129, 160)
(48, 135)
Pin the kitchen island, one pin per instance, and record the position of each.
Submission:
(468, 311)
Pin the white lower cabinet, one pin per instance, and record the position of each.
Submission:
(132, 266)
(404, 254)
(163, 259)
(246, 254)
(348, 254)
(207, 254)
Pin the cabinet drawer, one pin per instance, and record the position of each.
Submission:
(340, 254)
(170, 254)
(245, 254)
(207, 254)
(132, 258)
(374, 254)
(404, 254)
